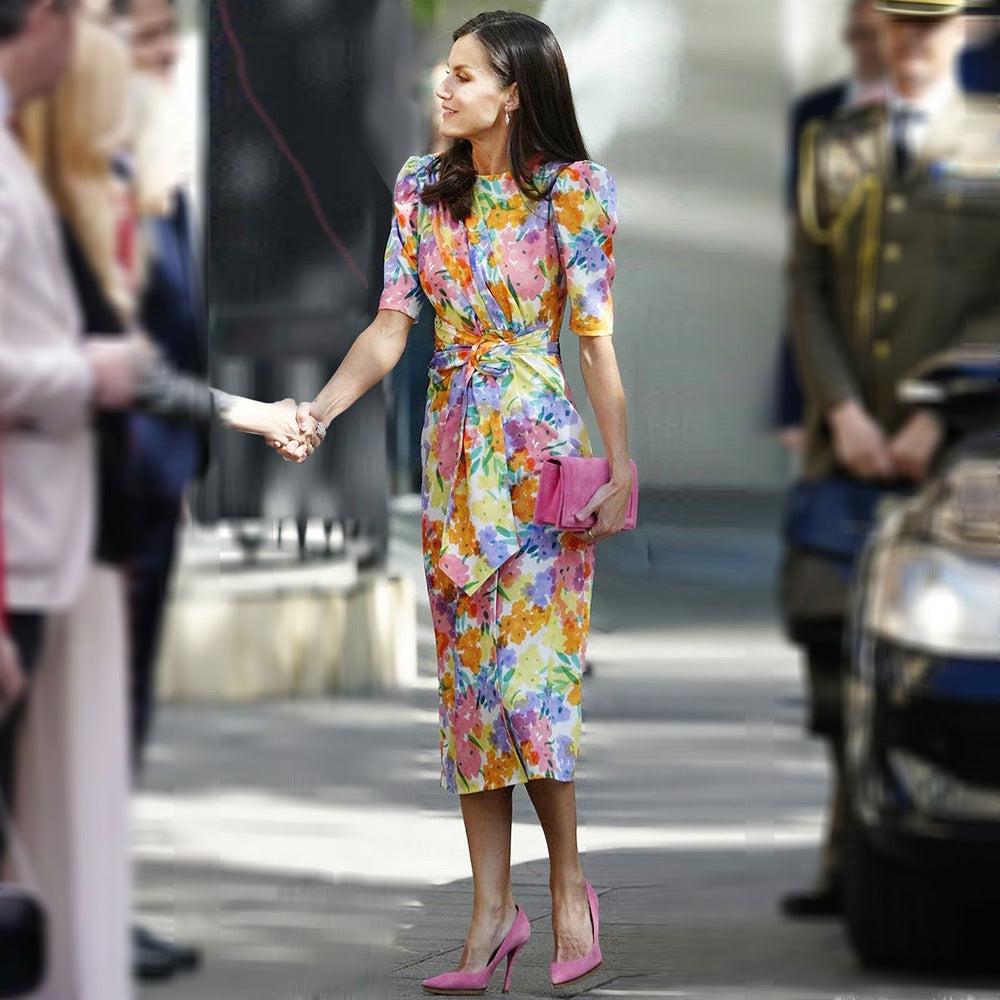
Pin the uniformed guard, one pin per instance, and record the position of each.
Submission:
(896, 257)
(865, 84)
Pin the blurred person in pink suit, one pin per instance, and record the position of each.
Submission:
(66, 742)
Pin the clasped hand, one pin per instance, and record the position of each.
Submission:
(864, 449)
(294, 432)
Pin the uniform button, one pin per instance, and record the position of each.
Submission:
(881, 349)
(897, 203)
(892, 252)
(886, 302)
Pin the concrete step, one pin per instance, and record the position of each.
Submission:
(278, 627)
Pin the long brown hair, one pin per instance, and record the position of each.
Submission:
(521, 50)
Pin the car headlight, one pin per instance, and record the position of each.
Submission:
(941, 794)
(938, 601)
(969, 510)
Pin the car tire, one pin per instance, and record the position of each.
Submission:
(896, 917)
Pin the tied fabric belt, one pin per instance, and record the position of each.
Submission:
(480, 530)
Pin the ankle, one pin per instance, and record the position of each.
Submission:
(568, 887)
(494, 912)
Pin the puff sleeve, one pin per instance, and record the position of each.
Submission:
(401, 286)
(585, 206)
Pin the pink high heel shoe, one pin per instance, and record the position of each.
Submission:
(564, 973)
(475, 983)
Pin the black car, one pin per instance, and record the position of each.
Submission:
(922, 701)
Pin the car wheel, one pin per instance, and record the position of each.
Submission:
(896, 917)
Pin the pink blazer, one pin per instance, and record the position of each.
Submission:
(48, 484)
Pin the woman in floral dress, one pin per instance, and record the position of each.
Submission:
(498, 234)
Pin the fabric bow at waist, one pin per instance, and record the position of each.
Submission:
(480, 530)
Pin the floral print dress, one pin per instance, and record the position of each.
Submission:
(510, 599)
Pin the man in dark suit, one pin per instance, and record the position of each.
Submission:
(861, 36)
(166, 454)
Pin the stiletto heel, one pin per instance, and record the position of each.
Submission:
(475, 983)
(565, 973)
(510, 966)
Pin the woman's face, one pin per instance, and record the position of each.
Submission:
(473, 101)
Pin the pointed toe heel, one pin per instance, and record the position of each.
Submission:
(567, 973)
(474, 983)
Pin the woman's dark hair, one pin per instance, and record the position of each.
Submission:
(544, 129)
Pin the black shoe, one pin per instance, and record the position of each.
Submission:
(149, 965)
(817, 903)
(182, 958)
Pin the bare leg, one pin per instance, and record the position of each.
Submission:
(555, 804)
(488, 817)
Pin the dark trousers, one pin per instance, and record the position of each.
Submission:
(826, 665)
(155, 523)
(26, 629)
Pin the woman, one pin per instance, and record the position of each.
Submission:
(498, 232)
(72, 760)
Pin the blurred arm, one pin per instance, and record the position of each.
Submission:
(818, 355)
(48, 387)
(45, 388)
(176, 395)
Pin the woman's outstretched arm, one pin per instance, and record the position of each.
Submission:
(371, 357)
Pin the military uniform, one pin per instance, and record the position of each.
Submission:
(889, 267)
(888, 270)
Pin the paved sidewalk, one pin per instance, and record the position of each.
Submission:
(308, 846)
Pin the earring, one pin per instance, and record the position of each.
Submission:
(506, 116)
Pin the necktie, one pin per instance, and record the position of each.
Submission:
(903, 121)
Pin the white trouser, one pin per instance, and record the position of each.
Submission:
(73, 794)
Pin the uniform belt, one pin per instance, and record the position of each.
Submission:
(480, 529)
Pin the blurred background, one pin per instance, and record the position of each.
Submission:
(290, 819)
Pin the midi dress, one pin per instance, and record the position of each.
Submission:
(510, 599)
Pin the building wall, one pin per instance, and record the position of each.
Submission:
(685, 101)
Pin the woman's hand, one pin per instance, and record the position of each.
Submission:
(610, 504)
(276, 422)
(294, 433)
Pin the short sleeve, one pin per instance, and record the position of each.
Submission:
(401, 285)
(585, 205)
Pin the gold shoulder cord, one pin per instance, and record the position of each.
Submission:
(866, 192)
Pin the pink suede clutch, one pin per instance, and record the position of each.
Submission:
(566, 487)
